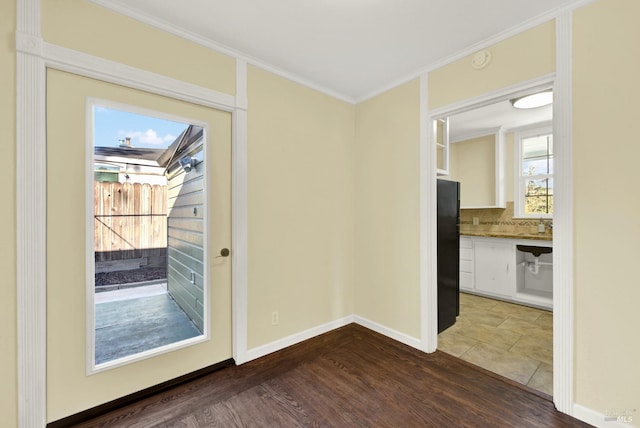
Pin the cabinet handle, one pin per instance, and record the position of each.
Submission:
(507, 267)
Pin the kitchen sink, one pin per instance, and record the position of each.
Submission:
(535, 250)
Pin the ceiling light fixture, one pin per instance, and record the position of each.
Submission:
(538, 99)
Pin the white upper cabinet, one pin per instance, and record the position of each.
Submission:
(441, 137)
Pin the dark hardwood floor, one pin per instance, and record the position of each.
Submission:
(350, 377)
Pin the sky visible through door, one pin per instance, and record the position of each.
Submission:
(112, 126)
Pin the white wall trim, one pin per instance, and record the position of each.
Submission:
(537, 83)
(293, 339)
(89, 242)
(430, 219)
(601, 420)
(414, 342)
(563, 281)
(563, 341)
(145, 18)
(428, 226)
(239, 194)
(83, 64)
(31, 240)
(31, 224)
(285, 342)
(563, 216)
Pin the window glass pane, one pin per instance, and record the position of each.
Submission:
(539, 196)
(538, 204)
(535, 166)
(537, 155)
(535, 147)
(106, 173)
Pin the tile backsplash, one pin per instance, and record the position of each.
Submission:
(499, 220)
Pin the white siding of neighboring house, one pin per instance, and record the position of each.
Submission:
(185, 228)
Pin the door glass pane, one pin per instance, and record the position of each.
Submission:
(148, 233)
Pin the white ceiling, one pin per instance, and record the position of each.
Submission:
(499, 115)
(349, 48)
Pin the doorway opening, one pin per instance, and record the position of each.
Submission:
(147, 211)
(505, 264)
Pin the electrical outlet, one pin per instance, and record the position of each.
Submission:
(275, 318)
(476, 221)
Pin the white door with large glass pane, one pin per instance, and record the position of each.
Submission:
(115, 197)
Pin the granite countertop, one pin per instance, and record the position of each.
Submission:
(509, 235)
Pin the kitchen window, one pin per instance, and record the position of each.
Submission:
(534, 173)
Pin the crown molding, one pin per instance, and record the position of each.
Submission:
(215, 46)
(221, 48)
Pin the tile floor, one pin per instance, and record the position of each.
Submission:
(512, 340)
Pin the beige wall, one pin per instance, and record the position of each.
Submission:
(523, 57)
(387, 209)
(8, 334)
(301, 210)
(606, 69)
(86, 27)
(473, 163)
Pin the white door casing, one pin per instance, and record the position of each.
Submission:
(563, 280)
(34, 56)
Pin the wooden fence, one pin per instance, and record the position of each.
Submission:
(130, 222)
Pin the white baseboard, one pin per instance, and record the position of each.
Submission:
(621, 419)
(386, 331)
(279, 344)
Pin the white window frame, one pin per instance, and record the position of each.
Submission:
(519, 179)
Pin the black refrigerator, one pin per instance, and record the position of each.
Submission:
(448, 253)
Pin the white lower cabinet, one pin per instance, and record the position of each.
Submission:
(466, 263)
(494, 267)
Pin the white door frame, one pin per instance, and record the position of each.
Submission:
(563, 300)
(33, 57)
